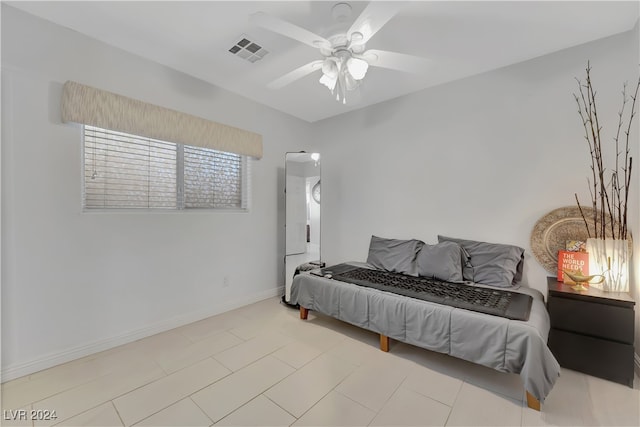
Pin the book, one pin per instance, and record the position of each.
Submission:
(575, 262)
(576, 245)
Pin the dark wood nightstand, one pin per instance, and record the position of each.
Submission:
(592, 331)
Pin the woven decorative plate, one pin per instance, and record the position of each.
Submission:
(552, 231)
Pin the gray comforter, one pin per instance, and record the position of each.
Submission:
(505, 345)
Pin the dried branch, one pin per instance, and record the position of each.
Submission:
(628, 161)
(592, 150)
(615, 179)
(625, 230)
(586, 224)
(609, 192)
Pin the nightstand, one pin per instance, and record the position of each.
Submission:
(592, 331)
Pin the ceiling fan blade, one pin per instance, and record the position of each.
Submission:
(395, 61)
(288, 29)
(296, 74)
(372, 18)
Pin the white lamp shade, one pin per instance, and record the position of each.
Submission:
(357, 68)
(330, 68)
(329, 82)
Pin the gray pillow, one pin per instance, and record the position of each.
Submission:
(394, 255)
(442, 261)
(491, 264)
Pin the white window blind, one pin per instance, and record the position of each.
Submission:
(124, 171)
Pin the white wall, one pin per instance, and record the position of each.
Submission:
(74, 282)
(481, 158)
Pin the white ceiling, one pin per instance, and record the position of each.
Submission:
(459, 38)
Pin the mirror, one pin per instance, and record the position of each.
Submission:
(302, 213)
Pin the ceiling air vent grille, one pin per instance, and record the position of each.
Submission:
(247, 49)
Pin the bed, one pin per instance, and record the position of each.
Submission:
(507, 345)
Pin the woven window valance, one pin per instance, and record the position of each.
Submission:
(91, 106)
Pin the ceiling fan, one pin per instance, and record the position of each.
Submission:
(345, 58)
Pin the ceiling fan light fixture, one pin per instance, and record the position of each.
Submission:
(357, 68)
(329, 82)
(330, 68)
(345, 61)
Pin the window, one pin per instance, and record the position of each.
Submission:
(124, 171)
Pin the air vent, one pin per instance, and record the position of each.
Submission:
(247, 49)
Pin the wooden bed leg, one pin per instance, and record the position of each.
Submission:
(532, 402)
(304, 313)
(384, 343)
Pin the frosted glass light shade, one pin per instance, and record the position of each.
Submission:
(330, 68)
(328, 81)
(357, 68)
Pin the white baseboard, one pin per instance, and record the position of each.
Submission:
(17, 370)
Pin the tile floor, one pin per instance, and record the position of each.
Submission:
(261, 365)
